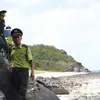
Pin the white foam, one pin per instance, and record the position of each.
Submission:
(63, 97)
(58, 74)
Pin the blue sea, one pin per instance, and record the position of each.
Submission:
(95, 70)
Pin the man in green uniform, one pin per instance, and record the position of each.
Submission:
(22, 61)
(3, 45)
(2, 25)
(7, 35)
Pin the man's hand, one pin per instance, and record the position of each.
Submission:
(32, 70)
(32, 75)
(9, 64)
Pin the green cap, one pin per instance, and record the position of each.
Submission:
(16, 31)
(3, 12)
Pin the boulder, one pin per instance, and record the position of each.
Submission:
(40, 92)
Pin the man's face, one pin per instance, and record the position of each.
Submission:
(1, 17)
(17, 39)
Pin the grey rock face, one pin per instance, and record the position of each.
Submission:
(39, 92)
(75, 67)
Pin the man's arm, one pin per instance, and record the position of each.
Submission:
(30, 59)
(32, 70)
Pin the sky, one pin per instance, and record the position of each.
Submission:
(71, 25)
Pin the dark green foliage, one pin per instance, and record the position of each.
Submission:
(49, 58)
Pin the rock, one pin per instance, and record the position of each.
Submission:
(75, 67)
(53, 84)
(63, 51)
(38, 92)
(60, 90)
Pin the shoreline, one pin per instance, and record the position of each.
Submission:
(85, 84)
(57, 74)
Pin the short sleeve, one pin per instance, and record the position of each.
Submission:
(29, 54)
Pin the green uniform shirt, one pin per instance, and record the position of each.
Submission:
(9, 40)
(21, 56)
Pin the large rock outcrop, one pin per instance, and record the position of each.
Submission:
(75, 67)
(38, 92)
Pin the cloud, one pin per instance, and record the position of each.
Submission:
(74, 24)
(62, 24)
(14, 18)
(23, 2)
(73, 29)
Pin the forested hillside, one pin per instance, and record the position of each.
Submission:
(50, 58)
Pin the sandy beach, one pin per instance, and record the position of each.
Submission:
(57, 74)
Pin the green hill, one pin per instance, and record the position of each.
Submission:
(50, 58)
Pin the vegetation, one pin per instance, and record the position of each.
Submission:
(49, 58)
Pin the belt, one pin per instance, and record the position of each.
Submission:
(19, 69)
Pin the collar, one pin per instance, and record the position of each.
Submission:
(20, 46)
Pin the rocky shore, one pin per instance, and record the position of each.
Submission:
(64, 86)
(84, 86)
